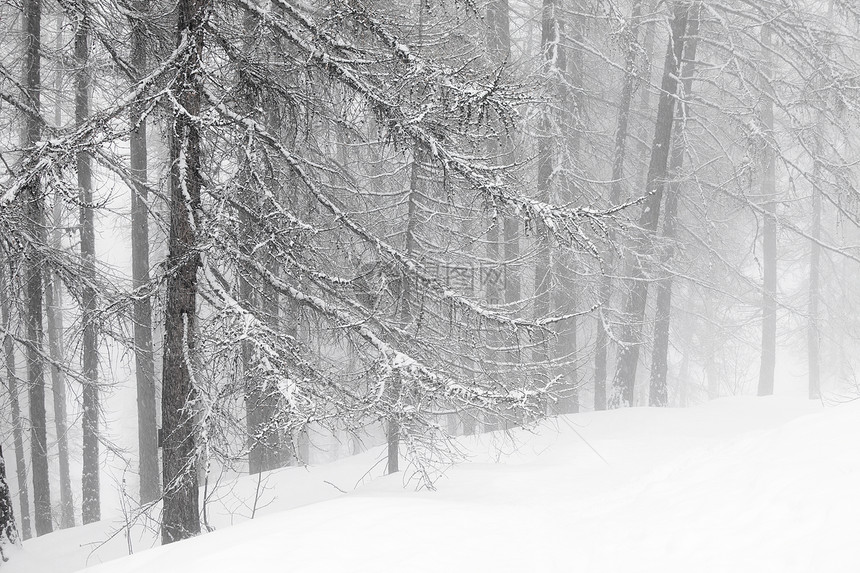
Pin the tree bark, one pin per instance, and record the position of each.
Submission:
(34, 213)
(54, 314)
(620, 153)
(12, 385)
(644, 104)
(659, 392)
(555, 63)
(637, 267)
(7, 513)
(277, 451)
(144, 358)
(769, 249)
(395, 389)
(499, 46)
(565, 295)
(179, 472)
(253, 418)
(90, 502)
(566, 343)
(267, 450)
(504, 236)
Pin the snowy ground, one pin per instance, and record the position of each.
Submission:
(738, 485)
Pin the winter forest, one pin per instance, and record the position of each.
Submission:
(249, 244)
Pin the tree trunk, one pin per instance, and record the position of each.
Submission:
(813, 340)
(7, 513)
(499, 45)
(12, 385)
(566, 347)
(253, 420)
(684, 382)
(411, 245)
(542, 279)
(566, 343)
(266, 452)
(467, 217)
(54, 314)
(628, 353)
(179, 445)
(769, 254)
(499, 50)
(555, 63)
(277, 452)
(144, 358)
(90, 503)
(622, 127)
(659, 392)
(645, 99)
(34, 213)
(505, 150)
(711, 370)
(814, 294)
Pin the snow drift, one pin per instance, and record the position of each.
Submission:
(741, 484)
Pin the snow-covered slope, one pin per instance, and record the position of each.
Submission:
(738, 485)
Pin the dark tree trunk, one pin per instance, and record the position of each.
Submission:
(769, 254)
(12, 385)
(267, 449)
(566, 343)
(395, 388)
(467, 217)
(393, 427)
(147, 433)
(504, 239)
(491, 421)
(181, 517)
(499, 50)
(34, 213)
(253, 419)
(90, 502)
(628, 353)
(543, 273)
(54, 314)
(499, 46)
(659, 392)
(277, 451)
(621, 130)
(645, 105)
(547, 152)
(565, 294)
(7, 513)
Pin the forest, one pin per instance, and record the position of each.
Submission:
(244, 235)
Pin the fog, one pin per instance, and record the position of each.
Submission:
(241, 240)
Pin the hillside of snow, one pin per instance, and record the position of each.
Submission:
(737, 485)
